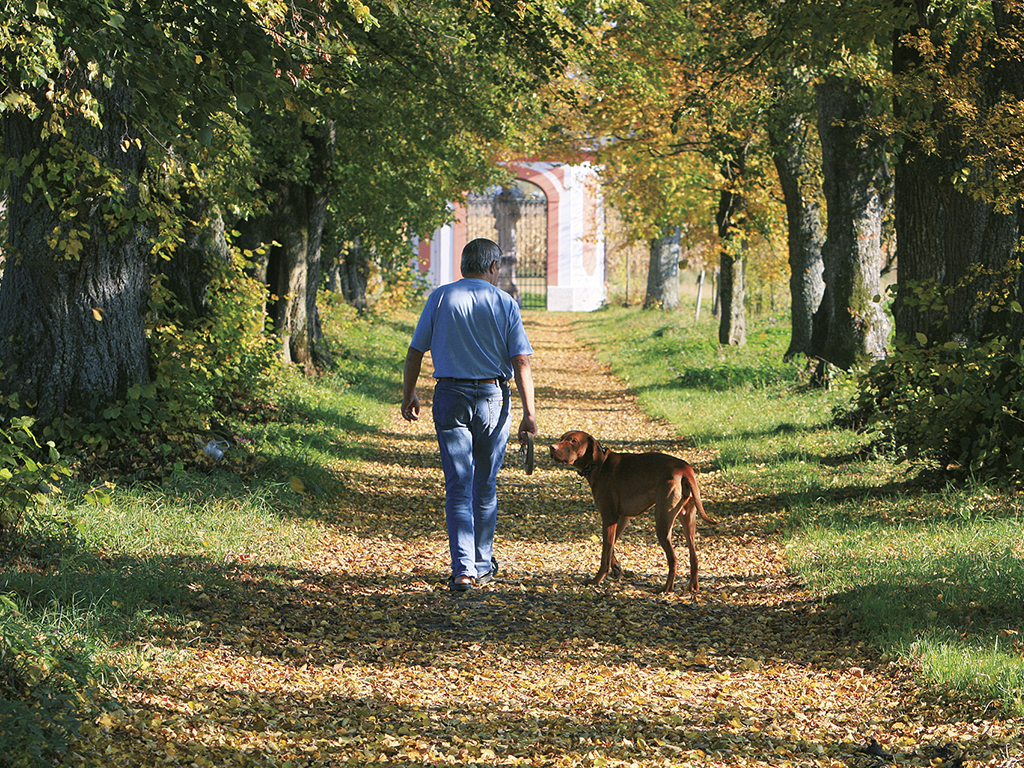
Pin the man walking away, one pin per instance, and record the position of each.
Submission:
(475, 335)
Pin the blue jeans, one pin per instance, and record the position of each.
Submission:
(472, 423)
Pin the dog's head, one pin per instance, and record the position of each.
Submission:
(576, 449)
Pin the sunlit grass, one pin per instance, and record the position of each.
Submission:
(995, 672)
(199, 522)
(945, 591)
(936, 576)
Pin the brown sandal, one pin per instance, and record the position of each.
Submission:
(456, 583)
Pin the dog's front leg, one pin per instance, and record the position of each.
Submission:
(616, 568)
(607, 552)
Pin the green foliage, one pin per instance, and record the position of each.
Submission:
(219, 363)
(46, 679)
(205, 372)
(402, 288)
(128, 428)
(29, 473)
(956, 404)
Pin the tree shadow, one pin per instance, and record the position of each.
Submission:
(298, 614)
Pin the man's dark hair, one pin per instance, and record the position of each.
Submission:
(478, 255)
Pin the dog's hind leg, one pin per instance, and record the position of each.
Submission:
(616, 569)
(689, 516)
(665, 511)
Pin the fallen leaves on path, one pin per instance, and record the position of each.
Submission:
(361, 656)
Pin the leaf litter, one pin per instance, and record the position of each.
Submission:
(360, 656)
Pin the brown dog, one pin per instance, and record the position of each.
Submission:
(628, 484)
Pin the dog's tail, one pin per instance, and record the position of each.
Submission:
(691, 478)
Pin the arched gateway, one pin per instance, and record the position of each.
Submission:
(561, 268)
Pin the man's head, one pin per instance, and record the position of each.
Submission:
(479, 255)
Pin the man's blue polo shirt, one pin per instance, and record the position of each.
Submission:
(472, 330)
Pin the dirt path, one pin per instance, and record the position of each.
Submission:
(362, 657)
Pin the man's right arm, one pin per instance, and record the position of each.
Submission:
(524, 383)
(411, 374)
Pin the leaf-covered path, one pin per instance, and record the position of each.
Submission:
(360, 656)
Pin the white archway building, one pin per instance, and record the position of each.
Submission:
(575, 237)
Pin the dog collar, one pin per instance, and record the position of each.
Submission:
(588, 470)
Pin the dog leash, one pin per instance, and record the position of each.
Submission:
(526, 450)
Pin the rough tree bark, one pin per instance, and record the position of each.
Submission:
(663, 273)
(732, 287)
(801, 191)
(291, 269)
(72, 330)
(851, 326)
(187, 272)
(949, 237)
(352, 275)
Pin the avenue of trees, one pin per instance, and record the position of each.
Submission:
(181, 176)
(877, 123)
(174, 171)
(887, 129)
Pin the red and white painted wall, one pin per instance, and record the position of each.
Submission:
(575, 237)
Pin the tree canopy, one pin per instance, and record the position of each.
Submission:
(159, 152)
(132, 131)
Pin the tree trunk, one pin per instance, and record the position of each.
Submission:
(663, 273)
(732, 285)
(732, 328)
(288, 274)
(187, 272)
(72, 308)
(716, 293)
(291, 270)
(353, 275)
(948, 238)
(332, 272)
(796, 169)
(700, 294)
(293, 275)
(851, 326)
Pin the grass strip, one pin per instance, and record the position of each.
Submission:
(94, 581)
(933, 574)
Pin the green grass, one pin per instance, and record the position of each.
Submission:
(931, 576)
(81, 595)
(935, 576)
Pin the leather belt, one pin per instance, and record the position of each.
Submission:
(470, 381)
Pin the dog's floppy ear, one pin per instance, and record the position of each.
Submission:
(594, 449)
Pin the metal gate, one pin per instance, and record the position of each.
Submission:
(516, 218)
